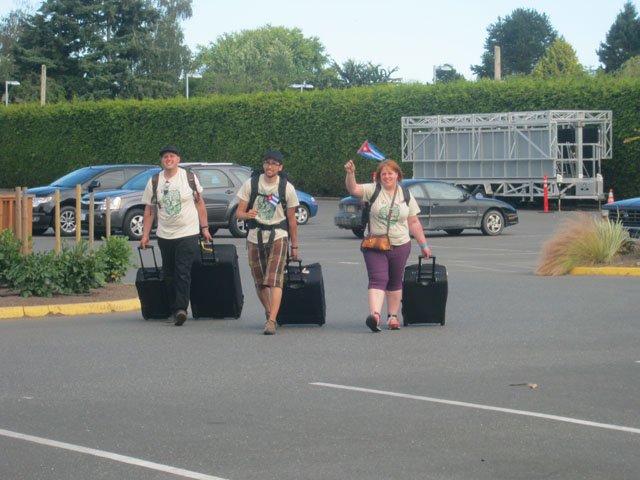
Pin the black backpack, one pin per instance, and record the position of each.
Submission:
(282, 193)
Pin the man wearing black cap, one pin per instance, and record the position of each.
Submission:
(182, 218)
(270, 229)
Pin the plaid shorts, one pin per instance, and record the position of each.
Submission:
(270, 271)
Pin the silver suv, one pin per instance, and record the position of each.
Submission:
(220, 183)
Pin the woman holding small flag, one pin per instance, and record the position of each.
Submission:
(394, 213)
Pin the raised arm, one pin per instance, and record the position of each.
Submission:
(354, 188)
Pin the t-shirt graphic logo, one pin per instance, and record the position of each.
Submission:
(266, 209)
(171, 202)
(384, 213)
(273, 199)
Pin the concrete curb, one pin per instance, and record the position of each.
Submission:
(624, 271)
(71, 309)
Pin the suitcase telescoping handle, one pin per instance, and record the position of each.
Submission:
(207, 247)
(291, 278)
(155, 263)
(433, 269)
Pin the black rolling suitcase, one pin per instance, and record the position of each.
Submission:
(302, 295)
(424, 293)
(152, 292)
(216, 289)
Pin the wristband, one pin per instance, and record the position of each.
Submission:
(203, 227)
(294, 248)
(425, 245)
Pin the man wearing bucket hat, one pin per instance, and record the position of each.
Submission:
(268, 202)
(182, 218)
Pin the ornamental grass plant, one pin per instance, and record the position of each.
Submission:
(582, 242)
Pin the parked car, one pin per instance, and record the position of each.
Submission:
(443, 206)
(220, 183)
(98, 177)
(308, 207)
(626, 212)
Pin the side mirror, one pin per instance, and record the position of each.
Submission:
(93, 185)
(465, 197)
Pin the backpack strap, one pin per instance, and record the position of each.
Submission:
(192, 183)
(154, 189)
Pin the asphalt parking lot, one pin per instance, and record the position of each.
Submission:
(113, 396)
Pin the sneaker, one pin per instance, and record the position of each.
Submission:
(393, 323)
(181, 317)
(373, 322)
(270, 327)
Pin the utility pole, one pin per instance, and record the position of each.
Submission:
(496, 65)
(43, 85)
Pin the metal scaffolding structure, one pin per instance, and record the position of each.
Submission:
(508, 154)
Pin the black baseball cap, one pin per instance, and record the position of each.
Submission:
(274, 155)
(169, 149)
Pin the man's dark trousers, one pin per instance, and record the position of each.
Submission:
(178, 256)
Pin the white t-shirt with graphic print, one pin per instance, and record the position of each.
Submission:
(176, 209)
(270, 210)
(401, 211)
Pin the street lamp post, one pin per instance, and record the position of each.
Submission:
(301, 86)
(442, 68)
(193, 75)
(6, 90)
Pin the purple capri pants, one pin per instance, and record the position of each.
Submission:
(386, 267)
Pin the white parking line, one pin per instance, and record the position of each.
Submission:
(454, 403)
(109, 456)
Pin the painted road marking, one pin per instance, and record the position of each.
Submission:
(109, 456)
(454, 403)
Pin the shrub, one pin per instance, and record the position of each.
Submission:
(116, 255)
(35, 274)
(81, 269)
(582, 242)
(9, 253)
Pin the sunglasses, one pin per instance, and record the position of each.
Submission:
(165, 190)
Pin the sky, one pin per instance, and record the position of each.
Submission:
(413, 35)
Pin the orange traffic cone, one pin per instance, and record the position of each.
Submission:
(610, 199)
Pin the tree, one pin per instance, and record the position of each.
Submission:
(9, 35)
(96, 49)
(267, 59)
(523, 37)
(447, 75)
(357, 74)
(560, 59)
(622, 41)
(630, 68)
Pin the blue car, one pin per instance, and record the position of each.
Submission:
(626, 212)
(308, 207)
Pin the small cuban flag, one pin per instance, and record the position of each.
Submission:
(273, 199)
(367, 150)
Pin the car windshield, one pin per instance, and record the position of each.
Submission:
(76, 177)
(140, 181)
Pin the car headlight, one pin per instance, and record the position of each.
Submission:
(37, 201)
(115, 204)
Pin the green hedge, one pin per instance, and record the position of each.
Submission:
(317, 131)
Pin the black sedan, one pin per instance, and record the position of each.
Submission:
(626, 212)
(443, 206)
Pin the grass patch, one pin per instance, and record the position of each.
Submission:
(583, 242)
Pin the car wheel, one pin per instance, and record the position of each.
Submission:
(237, 227)
(67, 221)
(492, 223)
(302, 214)
(454, 231)
(133, 222)
(358, 232)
